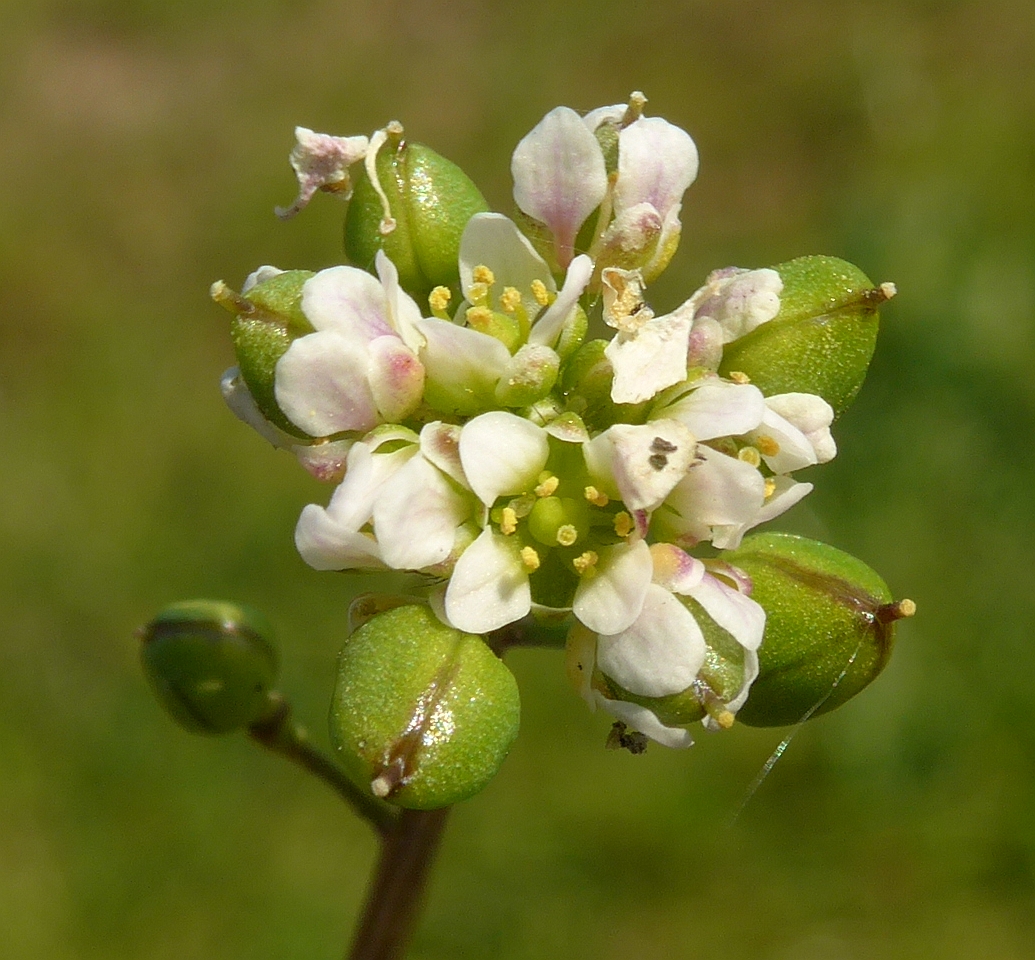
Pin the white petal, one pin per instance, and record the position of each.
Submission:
(261, 275)
(461, 366)
(812, 415)
(548, 327)
(493, 240)
(321, 385)
(502, 454)
(657, 161)
(718, 409)
(402, 311)
(793, 449)
(651, 358)
(736, 613)
(440, 444)
(416, 515)
(488, 588)
(559, 176)
(644, 721)
(648, 460)
(396, 378)
(348, 300)
(243, 406)
(785, 495)
(325, 544)
(660, 653)
(674, 569)
(610, 601)
(611, 114)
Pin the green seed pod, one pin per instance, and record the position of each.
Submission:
(830, 626)
(266, 319)
(430, 199)
(210, 664)
(422, 715)
(822, 339)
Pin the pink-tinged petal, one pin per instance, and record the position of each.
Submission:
(611, 114)
(396, 378)
(494, 241)
(349, 301)
(402, 311)
(648, 460)
(737, 614)
(717, 408)
(674, 569)
(740, 300)
(416, 516)
(440, 445)
(657, 161)
(461, 367)
(489, 588)
(321, 385)
(548, 327)
(650, 359)
(559, 176)
(321, 161)
(324, 461)
(502, 454)
(610, 601)
(660, 653)
(643, 720)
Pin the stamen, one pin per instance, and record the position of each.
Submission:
(548, 485)
(378, 140)
(749, 455)
(522, 506)
(738, 376)
(586, 564)
(478, 294)
(770, 487)
(567, 534)
(529, 559)
(624, 524)
(767, 446)
(479, 318)
(596, 497)
(438, 300)
(542, 296)
(508, 521)
(713, 706)
(510, 299)
(482, 274)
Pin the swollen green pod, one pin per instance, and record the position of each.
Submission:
(211, 664)
(823, 338)
(430, 200)
(422, 715)
(830, 626)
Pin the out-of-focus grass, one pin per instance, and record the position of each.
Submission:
(142, 147)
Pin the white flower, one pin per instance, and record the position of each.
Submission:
(739, 300)
(360, 367)
(321, 162)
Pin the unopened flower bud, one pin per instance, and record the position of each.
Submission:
(830, 626)
(587, 379)
(414, 205)
(267, 318)
(423, 715)
(821, 340)
(528, 377)
(210, 664)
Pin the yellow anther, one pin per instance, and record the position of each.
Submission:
(529, 559)
(508, 521)
(479, 318)
(522, 506)
(586, 564)
(567, 534)
(482, 274)
(439, 299)
(478, 294)
(738, 376)
(749, 455)
(547, 486)
(541, 294)
(510, 299)
(767, 446)
(596, 497)
(624, 524)
(723, 718)
(770, 487)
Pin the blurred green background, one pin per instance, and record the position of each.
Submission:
(143, 146)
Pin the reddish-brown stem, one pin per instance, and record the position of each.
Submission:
(393, 900)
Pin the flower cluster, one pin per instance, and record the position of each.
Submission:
(480, 437)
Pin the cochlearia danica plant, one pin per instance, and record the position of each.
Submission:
(499, 412)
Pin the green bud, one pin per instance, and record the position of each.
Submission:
(422, 715)
(830, 626)
(586, 381)
(430, 200)
(822, 339)
(528, 377)
(266, 319)
(210, 664)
